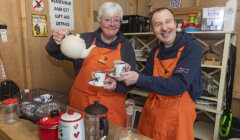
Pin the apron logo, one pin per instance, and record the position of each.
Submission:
(103, 59)
(182, 70)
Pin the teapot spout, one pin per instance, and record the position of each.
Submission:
(86, 52)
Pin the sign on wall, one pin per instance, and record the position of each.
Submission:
(61, 14)
(38, 5)
(39, 25)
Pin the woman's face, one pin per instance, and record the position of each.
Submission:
(110, 25)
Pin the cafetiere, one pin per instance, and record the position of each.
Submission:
(96, 123)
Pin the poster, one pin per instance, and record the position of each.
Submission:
(61, 14)
(39, 25)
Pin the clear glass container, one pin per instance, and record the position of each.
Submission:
(11, 110)
(129, 133)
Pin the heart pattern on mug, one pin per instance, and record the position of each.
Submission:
(76, 134)
(75, 126)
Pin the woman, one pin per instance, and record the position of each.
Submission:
(110, 46)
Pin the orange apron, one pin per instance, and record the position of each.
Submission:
(167, 117)
(83, 94)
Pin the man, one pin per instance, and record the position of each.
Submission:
(173, 75)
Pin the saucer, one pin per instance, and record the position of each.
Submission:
(94, 84)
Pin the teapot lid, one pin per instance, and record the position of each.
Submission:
(71, 116)
(96, 109)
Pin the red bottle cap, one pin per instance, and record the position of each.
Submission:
(10, 101)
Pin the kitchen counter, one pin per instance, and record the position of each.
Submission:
(26, 130)
(21, 130)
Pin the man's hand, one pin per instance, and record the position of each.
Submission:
(111, 84)
(59, 34)
(128, 67)
(129, 77)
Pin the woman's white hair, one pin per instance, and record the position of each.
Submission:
(109, 9)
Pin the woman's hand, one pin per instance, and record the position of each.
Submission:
(111, 84)
(59, 34)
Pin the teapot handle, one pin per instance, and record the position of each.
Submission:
(104, 125)
(65, 34)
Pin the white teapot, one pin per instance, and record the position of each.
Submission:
(73, 46)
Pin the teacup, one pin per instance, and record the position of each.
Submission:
(44, 98)
(99, 77)
(119, 67)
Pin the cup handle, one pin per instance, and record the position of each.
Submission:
(92, 73)
(104, 125)
(50, 98)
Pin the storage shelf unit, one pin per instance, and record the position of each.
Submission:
(202, 130)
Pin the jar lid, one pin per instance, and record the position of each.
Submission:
(50, 120)
(10, 101)
(96, 109)
(71, 116)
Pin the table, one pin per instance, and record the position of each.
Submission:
(26, 130)
(21, 130)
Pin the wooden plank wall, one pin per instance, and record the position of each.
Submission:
(12, 52)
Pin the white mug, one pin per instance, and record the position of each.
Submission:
(99, 77)
(119, 67)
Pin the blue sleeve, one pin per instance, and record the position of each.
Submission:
(183, 75)
(128, 55)
(54, 50)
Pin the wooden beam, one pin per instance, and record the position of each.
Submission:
(25, 42)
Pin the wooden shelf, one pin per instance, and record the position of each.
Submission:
(141, 59)
(186, 11)
(211, 32)
(140, 92)
(211, 66)
(209, 98)
(208, 108)
(199, 32)
(139, 33)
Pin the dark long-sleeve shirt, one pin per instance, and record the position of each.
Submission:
(127, 52)
(185, 76)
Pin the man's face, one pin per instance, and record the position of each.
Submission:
(110, 25)
(164, 27)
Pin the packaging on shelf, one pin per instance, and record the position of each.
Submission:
(135, 23)
(213, 19)
(230, 15)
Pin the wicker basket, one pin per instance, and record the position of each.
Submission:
(33, 110)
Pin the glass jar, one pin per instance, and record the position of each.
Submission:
(11, 111)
